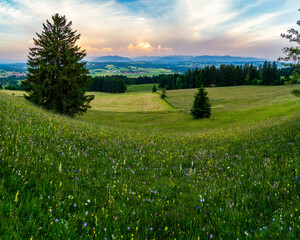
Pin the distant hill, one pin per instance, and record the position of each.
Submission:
(18, 67)
(112, 59)
(225, 59)
(146, 58)
(174, 59)
(10, 61)
(207, 59)
(171, 60)
(198, 59)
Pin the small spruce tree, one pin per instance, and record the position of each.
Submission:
(163, 93)
(201, 107)
(154, 88)
(57, 79)
(296, 92)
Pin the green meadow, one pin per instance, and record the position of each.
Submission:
(231, 107)
(138, 167)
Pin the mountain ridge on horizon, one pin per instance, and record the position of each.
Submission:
(177, 58)
(161, 59)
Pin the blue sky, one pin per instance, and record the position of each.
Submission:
(161, 27)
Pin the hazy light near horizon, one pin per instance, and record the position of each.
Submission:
(161, 27)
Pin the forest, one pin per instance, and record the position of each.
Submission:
(210, 76)
(226, 75)
(110, 84)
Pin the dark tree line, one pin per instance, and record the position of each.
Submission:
(110, 84)
(226, 75)
(143, 80)
(12, 80)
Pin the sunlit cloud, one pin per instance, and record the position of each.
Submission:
(144, 47)
(96, 50)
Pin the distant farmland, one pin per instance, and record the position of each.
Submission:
(130, 71)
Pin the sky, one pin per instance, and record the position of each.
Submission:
(130, 28)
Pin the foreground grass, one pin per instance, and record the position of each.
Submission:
(63, 178)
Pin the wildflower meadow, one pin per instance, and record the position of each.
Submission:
(73, 179)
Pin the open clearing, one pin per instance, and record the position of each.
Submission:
(138, 102)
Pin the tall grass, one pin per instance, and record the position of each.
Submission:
(69, 179)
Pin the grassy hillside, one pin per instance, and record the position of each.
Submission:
(66, 178)
(239, 98)
(231, 107)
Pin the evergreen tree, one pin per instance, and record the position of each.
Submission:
(178, 84)
(275, 75)
(265, 73)
(154, 88)
(296, 92)
(201, 107)
(163, 93)
(56, 79)
(293, 53)
(239, 76)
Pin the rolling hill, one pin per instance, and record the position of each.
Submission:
(112, 59)
(152, 175)
(173, 59)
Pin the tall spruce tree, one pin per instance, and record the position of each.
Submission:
(201, 107)
(56, 79)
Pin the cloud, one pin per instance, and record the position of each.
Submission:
(95, 50)
(200, 19)
(169, 26)
(144, 47)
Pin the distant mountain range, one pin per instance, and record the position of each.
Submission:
(18, 67)
(112, 59)
(179, 58)
(172, 60)
(10, 61)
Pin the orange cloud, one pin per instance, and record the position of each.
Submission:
(95, 50)
(146, 47)
(106, 49)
